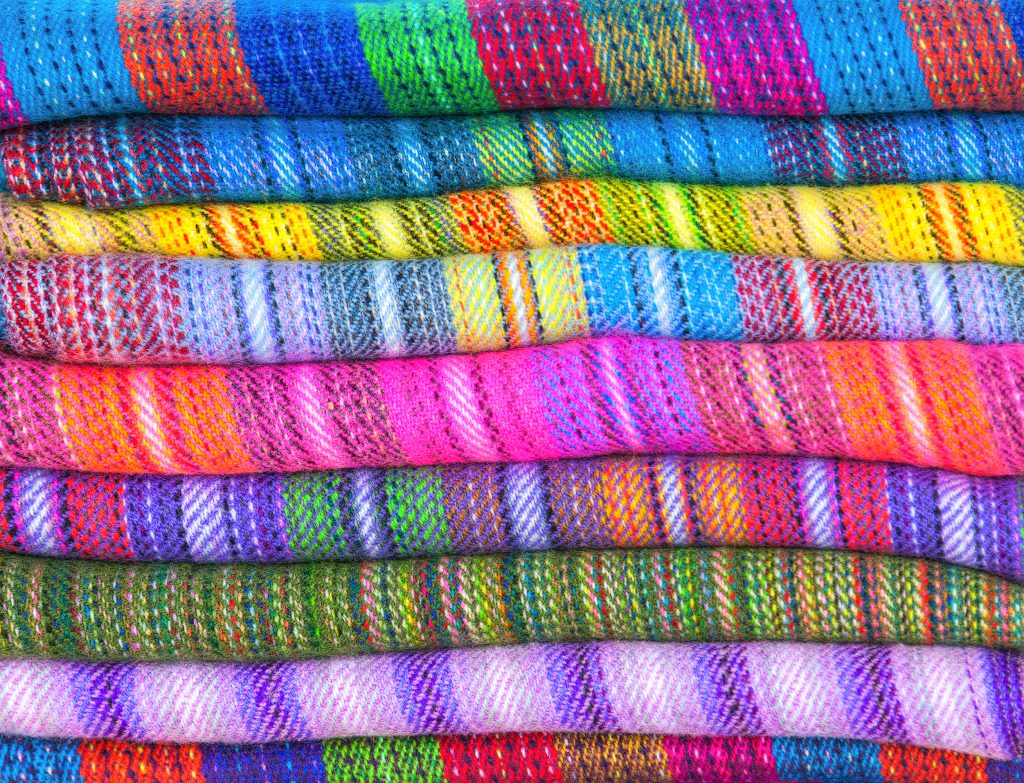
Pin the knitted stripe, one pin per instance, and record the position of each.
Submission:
(600, 503)
(103, 611)
(935, 222)
(933, 404)
(964, 699)
(137, 310)
(502, 758)
(64, 58)
(125, 161)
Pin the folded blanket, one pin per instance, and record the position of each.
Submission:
(103, 611)
(964, 699)
(61, 58)
(590, 504)
(510, 758)
(934, 404)
(158, 310)
(125, 161)
(935, 222)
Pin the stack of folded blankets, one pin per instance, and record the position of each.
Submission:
(512, 390)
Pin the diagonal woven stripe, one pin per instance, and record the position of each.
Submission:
(514, 758)
(931, 222)
(126, 161)
(948, 697)
(476, 509)
(933, 404)
(153, 310)
(318, 58)
(78, 609)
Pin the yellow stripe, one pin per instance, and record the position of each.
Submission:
(905, 222)
(524, 205)
(561, 299)
(990, 215)
(389, 229)
(185, 230)
(816, 222)
(679, 216)
(475, 303)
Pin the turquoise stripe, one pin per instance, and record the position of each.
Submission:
(862, 55)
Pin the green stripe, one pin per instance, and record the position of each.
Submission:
(416, 514)
(383, 759)
(317, 512)
(424, 57)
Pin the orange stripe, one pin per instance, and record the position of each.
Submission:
(207, 431)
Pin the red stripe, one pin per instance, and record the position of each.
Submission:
(528, 64)
(98, 528)
(501, 757)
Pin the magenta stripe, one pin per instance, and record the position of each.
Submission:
(755, 56)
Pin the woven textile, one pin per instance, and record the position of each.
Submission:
(936, 222)
(600, 503)
(64, 58)
(137, 310)
(502, 758)
(126, 161)
(103, 611)
(934, 404)
(964, 699)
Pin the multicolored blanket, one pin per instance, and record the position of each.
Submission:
(502, 758)
(65, 58)
(933, 222)
(128, 161)
(473, 509)
(148, 612)
(933, 404)
(122, 310)
(963, 699)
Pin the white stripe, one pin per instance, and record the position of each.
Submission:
(803, 289)
(938, 298)
(954, 501)
(523, 491)
(368, 523)
(467, 416)
(39, 513)
(144, 396)
(254, 300)
(201, 519)
(387, 307)
(818, 499)
(663, 310)
(616, 392)
(835, 151)
(911, 405)
(668, 478)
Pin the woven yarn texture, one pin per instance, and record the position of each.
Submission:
(933, 404)
(122, 310)
(502, 758)
(126, 161)
(311, 57)
(590, 504)
(965, 699)
(934, 222)
(103, 611)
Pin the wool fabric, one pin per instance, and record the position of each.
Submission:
(964, 699)
(122, 310)
(501, 758)
(128, 161)
(933, 404)
(474, 509)
(932, 222)
(150, 612)
(64, 58)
